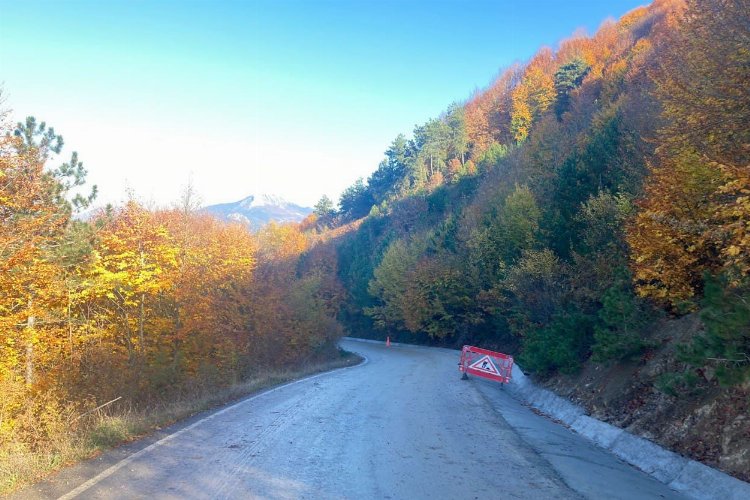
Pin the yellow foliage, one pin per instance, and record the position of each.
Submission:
(694, 216)
(533, 96)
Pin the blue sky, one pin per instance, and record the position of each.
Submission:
(288, 97)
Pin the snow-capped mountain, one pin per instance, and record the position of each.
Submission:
(258, 210)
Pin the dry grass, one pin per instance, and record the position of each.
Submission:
(21, 465)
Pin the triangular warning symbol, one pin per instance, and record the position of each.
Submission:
(485, 364)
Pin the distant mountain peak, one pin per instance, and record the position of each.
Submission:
(258, 209)
(263, 200)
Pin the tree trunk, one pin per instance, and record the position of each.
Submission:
(141, 343)
(176, 342)
(129, 340)
(70, 326)
(30, 344)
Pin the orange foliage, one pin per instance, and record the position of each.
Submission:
(30, 290)
(578, 47)
(488, 113)
(29, 284)
(694, 215)
(281, 242)
(508, 109)
(141, 303)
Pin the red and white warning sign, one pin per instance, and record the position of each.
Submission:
(485, 363)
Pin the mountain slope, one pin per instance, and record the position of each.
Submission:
(579, 213)
(259, 209)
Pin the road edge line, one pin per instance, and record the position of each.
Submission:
(81, 488)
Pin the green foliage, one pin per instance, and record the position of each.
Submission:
(358, 256)
(391, 280)
(375, 211)
(109, 432)
(432, 141)
(65, 178)
(676, 384)
(518, 222)
(537, 286)
(313, 320)
(725, 344)
(601, 220)
(324, 208)
(491, 157)
(508, 231)
(445, 237)
(436, 301)
(387, 180)
(622, 318)
(458, 139)
(71, 175)
(38, 136)
(325, 213)
(567, 78)
(538, 251)
(599, 250)
(356, 201)
(76, 246)
(603, 164)
(560, 346)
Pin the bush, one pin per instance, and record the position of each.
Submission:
(109, 432)
(492, 156)
(621, 321)
(675, 384)
(561, 346)
(725, 345)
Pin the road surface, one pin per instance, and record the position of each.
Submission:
(400, 426)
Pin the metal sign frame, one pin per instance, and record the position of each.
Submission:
(486, 364)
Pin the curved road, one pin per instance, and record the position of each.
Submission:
(402, 426)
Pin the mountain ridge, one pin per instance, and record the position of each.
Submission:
(258, 209)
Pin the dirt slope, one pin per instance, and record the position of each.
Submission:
(707, 423)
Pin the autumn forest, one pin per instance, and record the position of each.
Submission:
(584, 196)
(561, 211)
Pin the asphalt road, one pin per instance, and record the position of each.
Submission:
(400, 426)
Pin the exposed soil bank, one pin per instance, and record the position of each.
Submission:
(707, 423)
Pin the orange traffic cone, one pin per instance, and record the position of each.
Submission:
(388, 342)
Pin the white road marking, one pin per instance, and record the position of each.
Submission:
(122, 463)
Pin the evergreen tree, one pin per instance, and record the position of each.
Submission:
(568, 78)
(356, 201)
(387, 179)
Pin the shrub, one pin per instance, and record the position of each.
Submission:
(560, 346)
(725, 344)
(622, 318)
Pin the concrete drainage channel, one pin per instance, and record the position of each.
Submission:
(686, 476)
(689, 477)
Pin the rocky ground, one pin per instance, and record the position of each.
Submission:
(704, 422)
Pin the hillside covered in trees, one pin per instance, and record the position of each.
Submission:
(572, 212)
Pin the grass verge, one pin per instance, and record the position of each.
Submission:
(108, 428)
